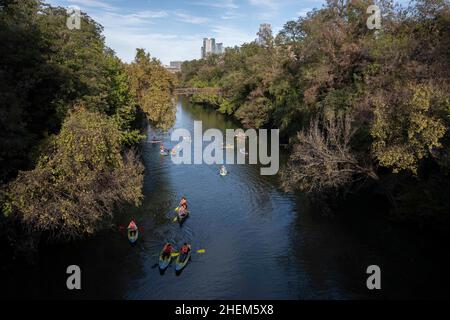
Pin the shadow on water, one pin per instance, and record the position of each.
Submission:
(162, 271)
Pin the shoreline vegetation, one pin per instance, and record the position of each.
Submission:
(364, 111)
(72, 113)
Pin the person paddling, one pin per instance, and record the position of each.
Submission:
(132, 227)
(167, 250)
(182, 207)
(185, 248)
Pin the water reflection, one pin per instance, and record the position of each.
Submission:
(261, 243)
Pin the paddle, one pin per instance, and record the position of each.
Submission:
(176, 217)
(176, 254)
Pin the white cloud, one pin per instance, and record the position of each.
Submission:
(93, 4)
(231, 36)
(231, 15)
(304, 12)
(114, 21)
(124, 32)
(185, 17)
(228, 4)
(271, 4)
(166, 47)
(150, 14)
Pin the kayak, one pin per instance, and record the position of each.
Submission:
(164, 262)
(182, 261)
(133, 234)
(181, 218)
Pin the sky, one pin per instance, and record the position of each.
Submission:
(173, 30)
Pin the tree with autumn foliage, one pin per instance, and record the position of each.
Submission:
(391, 85)
(152, 85)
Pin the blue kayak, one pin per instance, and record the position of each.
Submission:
(182, 218)
(182, 261)
(164, 261)
(133, 234)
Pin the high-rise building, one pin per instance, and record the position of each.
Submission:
(219, 48)
(265, 30)
(210, 47)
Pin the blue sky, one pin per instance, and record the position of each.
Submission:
(173, 29)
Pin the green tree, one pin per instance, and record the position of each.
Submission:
(152, 86)
(79, 180)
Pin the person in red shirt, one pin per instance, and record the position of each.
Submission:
(132, 227)
(167, 250)
(182, 207)
(185, 248)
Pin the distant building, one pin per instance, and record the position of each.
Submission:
(219, 48)
(175, 66)
(265, 30)
(210, 47)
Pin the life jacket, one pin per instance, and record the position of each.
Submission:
(184, 249)
(132, 225)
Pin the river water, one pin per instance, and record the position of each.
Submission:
(260, 242)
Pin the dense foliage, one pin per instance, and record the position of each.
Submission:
(77, 184)
(152, 86)
(353, 102)
(69, 113)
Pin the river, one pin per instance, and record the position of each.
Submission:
(260, 242)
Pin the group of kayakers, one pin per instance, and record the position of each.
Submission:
(163, 151)
(168, 249)
(182, 213)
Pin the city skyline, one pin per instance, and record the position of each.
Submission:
(157, 25)
(210, 47)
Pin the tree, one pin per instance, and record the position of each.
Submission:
(405, 133)
(79, 180)
(152, 86)
(323, 160)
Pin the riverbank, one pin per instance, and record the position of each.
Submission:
(261, 243)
